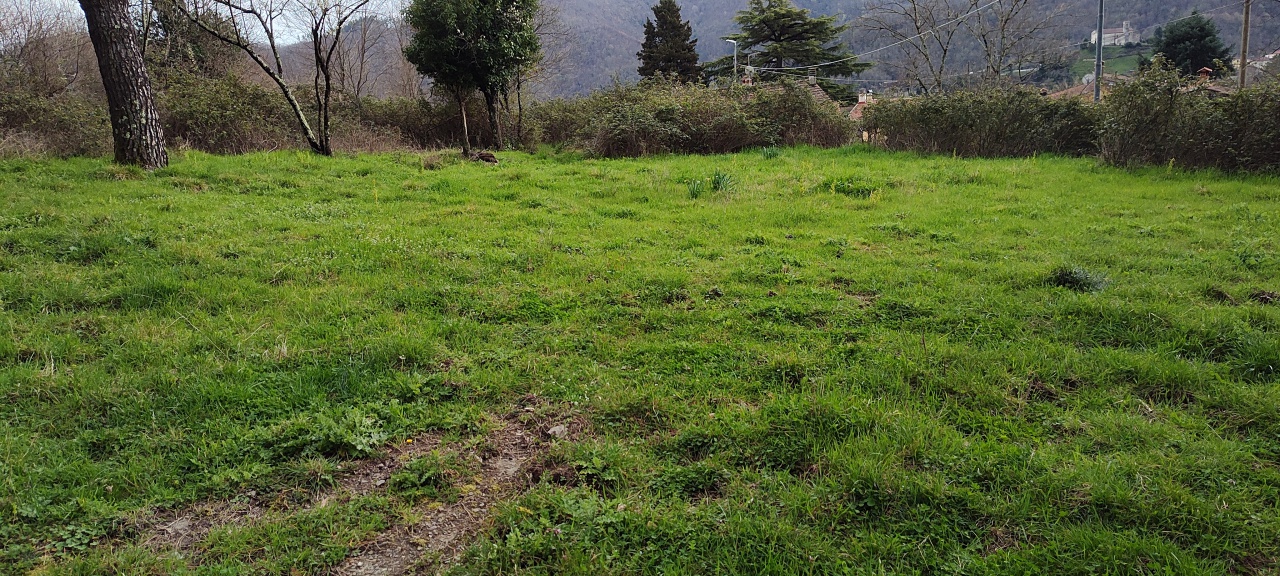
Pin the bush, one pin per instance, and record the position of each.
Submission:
(62, 126)
(421, 122)
(795, 117)
(658, 117)
(989, 123)
(1162, 119)
(224, 115)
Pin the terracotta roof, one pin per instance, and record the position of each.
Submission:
(819, 95)
(858, 110)
(1079, 91)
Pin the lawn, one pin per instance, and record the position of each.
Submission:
(1117, 60)
(778, 362)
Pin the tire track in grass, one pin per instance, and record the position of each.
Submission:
(446, 529)
(179, 532)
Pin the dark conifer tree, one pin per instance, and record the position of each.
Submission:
(669, 46)
(1193, 43)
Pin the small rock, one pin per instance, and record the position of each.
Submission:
(559, 431)
(178, 526)
(380, 483)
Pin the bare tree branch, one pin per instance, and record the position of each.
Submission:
(324, 21)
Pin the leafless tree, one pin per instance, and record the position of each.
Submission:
(554, 41)
(403, 78)
(44, 48)
(256, 27)
(358, 62)
(1013, 34)
(924, 32)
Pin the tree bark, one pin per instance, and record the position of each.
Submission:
(466, 136)
(135, 123)
(495, 125)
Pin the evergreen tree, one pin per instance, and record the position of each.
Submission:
(669, 46)
(1192, 44)
(778, 34)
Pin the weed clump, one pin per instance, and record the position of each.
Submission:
(1077, 279)
(849, 186)
(430, 477)
(697, 188)
(721, 182)
(340, 432)
(693, 481)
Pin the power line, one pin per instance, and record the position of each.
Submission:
(933, 30)
(1162, 24)
(898, 43)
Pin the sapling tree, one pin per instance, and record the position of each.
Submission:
(254, 26)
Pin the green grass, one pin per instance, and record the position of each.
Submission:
(978, 366)
(1116, 60)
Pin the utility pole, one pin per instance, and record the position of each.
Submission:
(1244, 45)
(1097, 62)
(736, 77)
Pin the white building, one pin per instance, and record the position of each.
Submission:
(1117, 36)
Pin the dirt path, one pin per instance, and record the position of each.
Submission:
(444, 530)
(437, 539)
(178, 532)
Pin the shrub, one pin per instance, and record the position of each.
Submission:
(224, 115)
(1160, 119)
(795, 117)
(989, 123)
(419, 121)
(658, 117)
(65, 125)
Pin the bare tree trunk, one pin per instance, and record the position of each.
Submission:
(135, 123)
(495, 124)
(519, 110)
(466, 136)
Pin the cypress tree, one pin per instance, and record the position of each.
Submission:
(669, 46)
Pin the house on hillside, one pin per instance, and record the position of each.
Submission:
(1126, 34)
(1206, 86)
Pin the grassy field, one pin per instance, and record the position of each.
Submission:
(1116, 60)
(786, 362)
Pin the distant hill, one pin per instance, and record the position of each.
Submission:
(606, 34)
